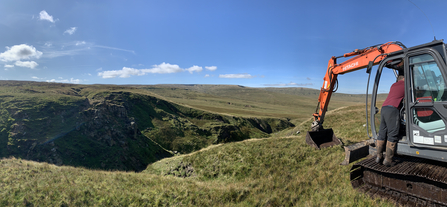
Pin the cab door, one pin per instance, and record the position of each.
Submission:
(427, 100)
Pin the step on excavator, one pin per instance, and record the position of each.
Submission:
(418, 176)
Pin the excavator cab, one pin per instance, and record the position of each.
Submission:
(418, 177)
(424, 112)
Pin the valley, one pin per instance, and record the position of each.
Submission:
(164, 145)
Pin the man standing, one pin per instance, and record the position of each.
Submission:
(390, 122)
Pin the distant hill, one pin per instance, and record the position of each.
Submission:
(293, 103)
(315, 93)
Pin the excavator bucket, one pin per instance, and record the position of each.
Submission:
(357, 151)
(326, 138)
(322, 139)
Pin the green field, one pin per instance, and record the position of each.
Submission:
(278, 170)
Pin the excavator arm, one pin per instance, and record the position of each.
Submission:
(362, 58)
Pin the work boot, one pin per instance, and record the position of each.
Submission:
(380, 146)
(390, 149)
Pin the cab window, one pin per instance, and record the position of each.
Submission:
(428, 82)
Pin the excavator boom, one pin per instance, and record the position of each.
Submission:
(361, 58)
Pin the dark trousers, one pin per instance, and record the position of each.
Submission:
(389, 124)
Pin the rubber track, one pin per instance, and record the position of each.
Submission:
(386, 182)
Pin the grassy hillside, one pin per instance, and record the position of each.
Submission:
(257, 172)
(111, 127)
(81, 129)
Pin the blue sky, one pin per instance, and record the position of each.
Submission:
(250, 43)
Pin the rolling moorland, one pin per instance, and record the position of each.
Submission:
(172, 145)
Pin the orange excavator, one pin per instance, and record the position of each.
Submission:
(363, 58)
(419, 176)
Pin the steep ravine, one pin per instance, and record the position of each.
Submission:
(114, 130)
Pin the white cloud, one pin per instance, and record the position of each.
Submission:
(124, 73)
(37, 78)
(127, 72)
(243, 75)
(194, 68)
(19, 52)
(80, 43)
(71, 31)
(48, 44)
(76, 81)
(45, 16)
(207, 75)
(160, 69)
(9, 66)
(26, 64)
(164, 68)
(61, 80)
(212, 68)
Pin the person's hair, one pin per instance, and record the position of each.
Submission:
(400, 77)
